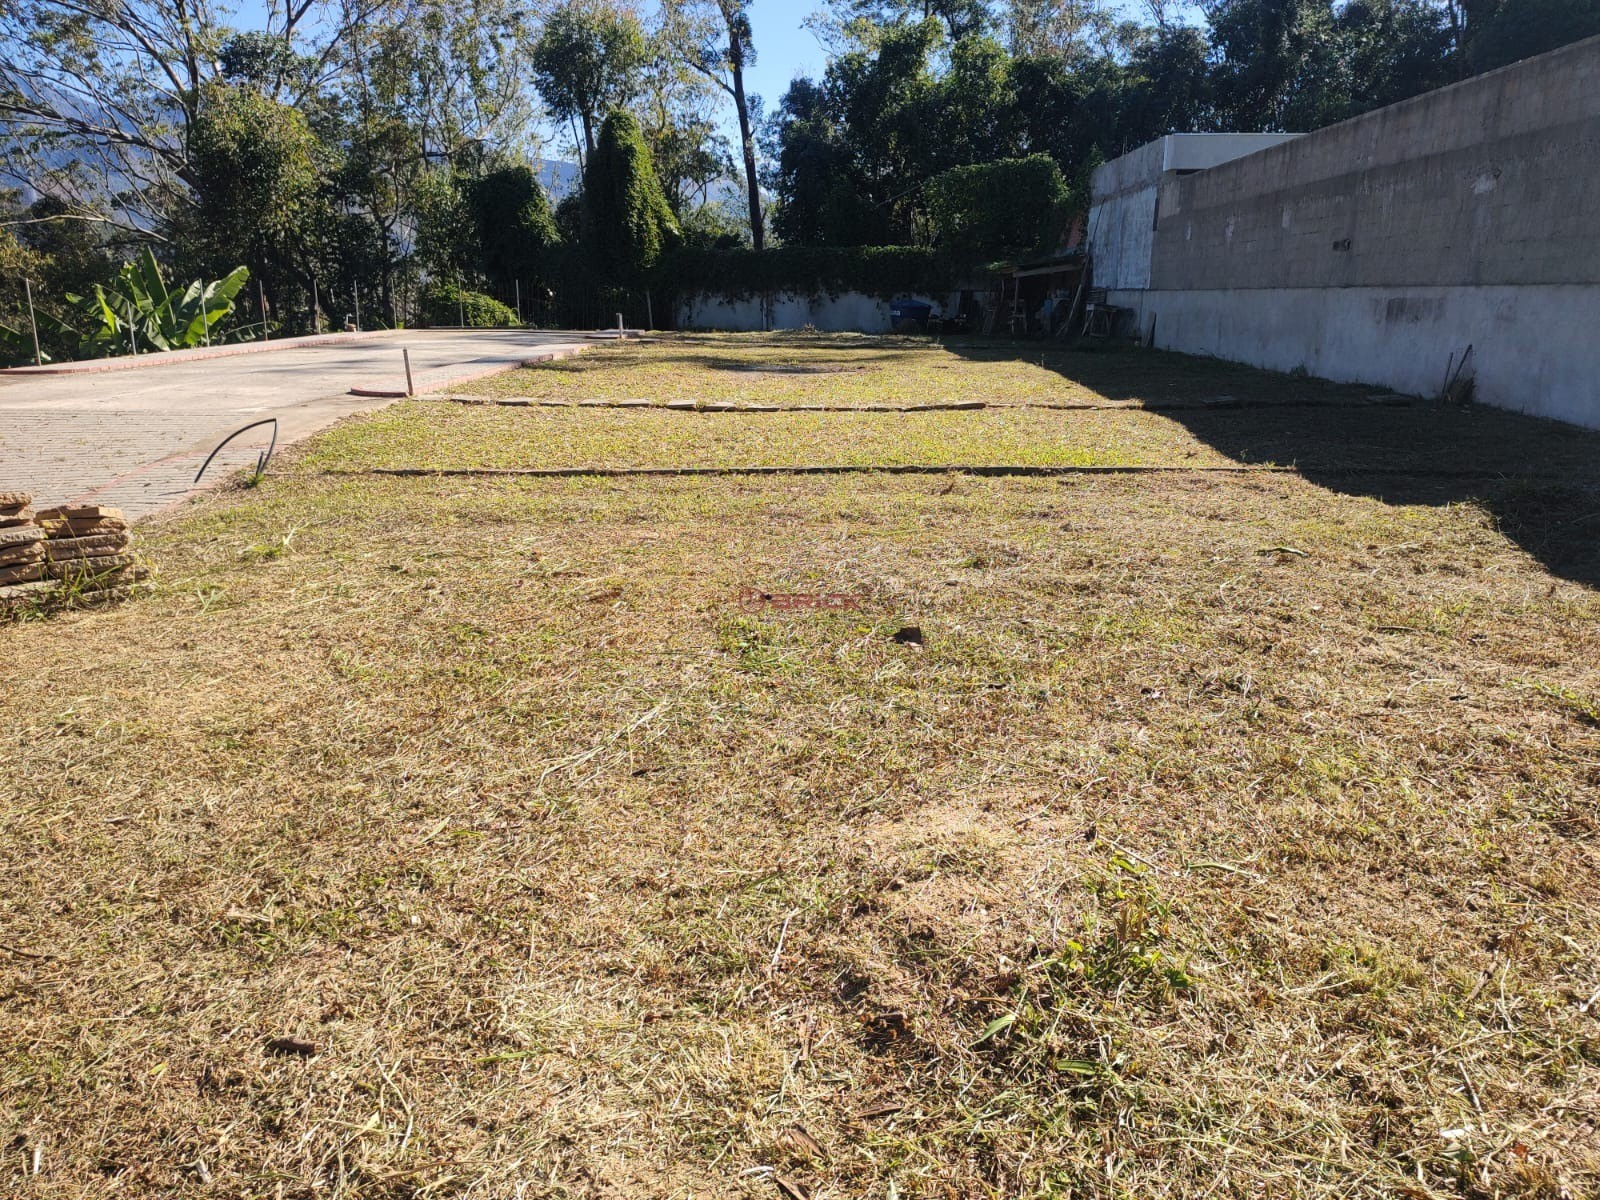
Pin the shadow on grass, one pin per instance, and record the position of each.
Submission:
(1539, 479)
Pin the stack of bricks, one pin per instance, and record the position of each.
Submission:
(86, 550)
(22, 552)
(73, 552)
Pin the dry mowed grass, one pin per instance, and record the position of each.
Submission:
(1228, 835)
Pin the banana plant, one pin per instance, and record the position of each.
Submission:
(139, 312)
(16, 346)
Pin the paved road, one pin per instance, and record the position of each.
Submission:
(135, 438)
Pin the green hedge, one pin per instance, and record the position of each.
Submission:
(882, 271)
(1011, 204)
(446, 304)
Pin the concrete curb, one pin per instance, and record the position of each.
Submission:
(428, 384)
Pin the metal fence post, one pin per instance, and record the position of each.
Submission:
(38, 358)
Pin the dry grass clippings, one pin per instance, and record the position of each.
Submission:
(1214, 835)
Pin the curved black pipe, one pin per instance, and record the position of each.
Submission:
(261, 460)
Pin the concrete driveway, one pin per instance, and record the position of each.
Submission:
(134, 438)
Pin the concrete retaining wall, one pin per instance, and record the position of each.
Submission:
(1122, 220)
(1404, 338)
(1378, 249)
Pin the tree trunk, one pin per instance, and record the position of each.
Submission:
(588, 135)
(736, 48)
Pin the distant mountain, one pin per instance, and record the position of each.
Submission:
(557, 176)
(562, 178)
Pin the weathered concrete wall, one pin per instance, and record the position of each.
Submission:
(847, 312)
(1122, 237)
(1122, 220)
(1377, 249)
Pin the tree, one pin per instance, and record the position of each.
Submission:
(1302, 64)
(974, 105)
(587, 60)
(690, 155)
(871, 138)
(853, 22)
(821, 195)
(714, 37)
(1397, 48)
(678, 110)
(516, 231)
(715, 226)
(447, 233)
(71, 255)
(1011, 204)
(629, 222)
(18, 266)
(255, 169)
(1068, 28)
(468, 78)
(97, 101)
(58, 255)
(1498, 32)
(1170, 88)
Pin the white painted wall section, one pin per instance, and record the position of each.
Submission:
(1405, 339)
(853, 312)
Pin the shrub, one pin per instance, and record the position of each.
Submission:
(446, 304)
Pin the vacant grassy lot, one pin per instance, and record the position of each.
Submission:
(1227, 834)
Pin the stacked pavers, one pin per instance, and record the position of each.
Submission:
(22, 553)
(86, 548)
(76, 551)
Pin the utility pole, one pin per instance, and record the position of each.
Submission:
(261, 297)
(38, 358)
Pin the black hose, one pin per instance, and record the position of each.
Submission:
(261, 460)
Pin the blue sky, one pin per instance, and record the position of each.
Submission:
(783, 48)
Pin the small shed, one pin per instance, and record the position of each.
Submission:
(1037, 295)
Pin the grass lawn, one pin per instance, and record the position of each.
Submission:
(1228, 833)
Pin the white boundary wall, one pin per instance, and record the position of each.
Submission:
(847, 312)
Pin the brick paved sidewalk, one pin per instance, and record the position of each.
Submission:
(138, 461)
